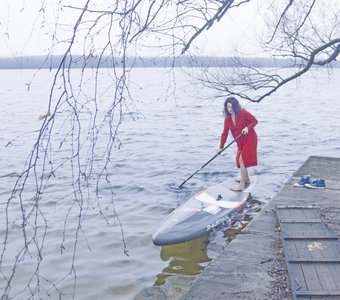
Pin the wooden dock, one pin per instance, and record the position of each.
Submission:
(312, 252)
(310, 226)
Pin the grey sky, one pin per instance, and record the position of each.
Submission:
(25, 29)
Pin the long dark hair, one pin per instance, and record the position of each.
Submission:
(235, 104)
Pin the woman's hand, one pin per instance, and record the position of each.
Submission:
(245, 130)
(219, 150)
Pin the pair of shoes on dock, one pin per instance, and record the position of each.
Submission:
(307, 181)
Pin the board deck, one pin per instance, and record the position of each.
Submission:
(233, 203)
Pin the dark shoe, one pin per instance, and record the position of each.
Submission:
(316, 184)
(303, 181)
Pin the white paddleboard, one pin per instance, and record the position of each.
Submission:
(202, 213)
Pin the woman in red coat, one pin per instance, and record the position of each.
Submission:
(239, 121)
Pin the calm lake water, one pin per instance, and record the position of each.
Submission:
(172, 134)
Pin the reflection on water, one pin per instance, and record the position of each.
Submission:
(184, 258)
(231, 232)
(186, 261)
(252, 208)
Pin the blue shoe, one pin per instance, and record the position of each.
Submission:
(316, 184)
(303, 181)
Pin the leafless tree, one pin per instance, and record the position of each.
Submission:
(110, 33)
(300, 36)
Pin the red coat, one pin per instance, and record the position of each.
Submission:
(246, 144)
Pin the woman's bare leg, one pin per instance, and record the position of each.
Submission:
(245, 171)
(247, 177)
(244, 177)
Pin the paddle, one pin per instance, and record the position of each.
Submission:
(210, 160)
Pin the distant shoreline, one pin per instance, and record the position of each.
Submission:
(53, 62)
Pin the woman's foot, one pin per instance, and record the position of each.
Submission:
(238, 188)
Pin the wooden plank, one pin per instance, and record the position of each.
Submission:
(315, 248)
(303, 227)
(302, 249)
(318, 293)
(295, 273)
(290, 250)
(305, 214)
(313, 238)
(309, 271)
(335, 273)
(321, 263)
(314, 260)
(309, 234)
(283, 214)
(325, 276)
(301, 221)
(297, 278)
(299, 215)
(336, 248)
(283, 207)
(311, 277)
(332, 250)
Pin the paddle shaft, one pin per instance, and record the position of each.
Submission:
(210, 160)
